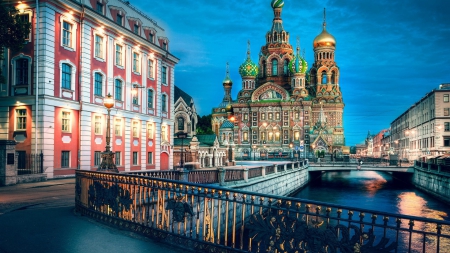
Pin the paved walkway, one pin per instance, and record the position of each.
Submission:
(39, 217)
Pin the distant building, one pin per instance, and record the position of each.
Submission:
(52, 101)
(424, 129)
(283, 106)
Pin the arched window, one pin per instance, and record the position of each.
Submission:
(263, 69)
(98, 84)
(275, 36)
(180, 123)
(324, 77)
(333, 77)
(285, 67)
(66, 76)
(274, 67)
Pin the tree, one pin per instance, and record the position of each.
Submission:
(13, 31)
(204, 125)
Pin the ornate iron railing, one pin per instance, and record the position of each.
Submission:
(204, 176)
(216, 219)
(255, 172)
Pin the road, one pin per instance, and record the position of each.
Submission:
(40, 217)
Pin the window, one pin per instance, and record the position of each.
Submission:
(150, 99)
(180, 123)
(274, 67)
(285, 68)
(65, 159)
(119, 19)
(446, 126)
(324, 77)
(99, 8)
(135, 98)
(277, 136)
(164, 103)
(136, 66)
(333, 77)
(445, 98)
(270, 116)
(151, 37)
(446, 111)
(65, 122)
(98, 46)
(164, 75)
(21, 72)
(263, 116)
(135, 129)
(150, 157)
(25, 18)
(263, 136)
(136, 29)
(118, 90)
(98, 84)
(446, 141)
(277, 116)
(67, 34)
(150, 131)
(245, 116)
(21, 119)
(163, 133)
(98, 125)
(164, 45)
(97, 157)
(245, 136)
(118, 158)
(66, 76)
(118, 127)
(296, 135)
(135, 158)
(150, 68)
(270, 136)
(296, 115)
(119, 55)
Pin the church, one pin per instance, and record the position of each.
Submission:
(283, 108)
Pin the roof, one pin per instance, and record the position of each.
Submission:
(227, 124)
(180, 93)
(206, 139)
(177, 141)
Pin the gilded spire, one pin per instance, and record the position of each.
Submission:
(298, 45)
(324, 18)
(248, 49)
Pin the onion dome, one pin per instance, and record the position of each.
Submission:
(227, 80)
(277, 3)
(248, 68)
(324, 39)
(298, 65)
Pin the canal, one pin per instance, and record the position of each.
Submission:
(376, 191)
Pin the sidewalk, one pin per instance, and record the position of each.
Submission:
(39, 217)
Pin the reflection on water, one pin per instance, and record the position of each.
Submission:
(379, 191)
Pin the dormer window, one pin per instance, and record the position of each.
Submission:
(119, 19)
(151, 37)
(164, 45)
(136, 29)
(99, 8)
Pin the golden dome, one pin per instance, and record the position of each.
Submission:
(324, 39)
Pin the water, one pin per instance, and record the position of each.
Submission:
(375, 191)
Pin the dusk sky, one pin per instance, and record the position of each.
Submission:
(390, 52)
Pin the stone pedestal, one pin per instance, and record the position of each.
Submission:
(8, 162)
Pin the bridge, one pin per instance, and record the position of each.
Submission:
(364, 167)
(206, 217)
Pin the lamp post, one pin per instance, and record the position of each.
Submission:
(291, 145)
(182, 136)
(107, 163)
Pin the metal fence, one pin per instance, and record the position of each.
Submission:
(30, 163)
(217, 219)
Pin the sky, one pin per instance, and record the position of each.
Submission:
(390, 52)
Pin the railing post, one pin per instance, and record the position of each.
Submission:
(184, 175)
(245, 174)
(221, 174)
(263, 171)
(285, 167)
(275, 168)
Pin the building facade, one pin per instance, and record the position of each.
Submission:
(283, 107)
(52, 101)
(424, 129)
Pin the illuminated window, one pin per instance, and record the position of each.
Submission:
(65, 122)
(274, 67)
(270, 116)
(150, 68)
(245, 116)
(98, 47)
(446, 98)
(97, 158)
(119, 55)
(296, 115)
(245, 136)
(277, 136)
(263, 136)
(98, 84)
(446, 111)
(118, 158)
(150, 131)
(136, 66)
(98, 125)
(263, 116)
(135, 129)
(118, 127)
(296, 135)
(65, 159)
(277, 116)
(270, 136)
(118, 90)
(163, 133)
(67, 34)
(21, 119)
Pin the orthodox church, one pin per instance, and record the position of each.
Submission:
(283, 108)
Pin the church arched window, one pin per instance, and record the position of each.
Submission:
(285, 67)
(274, 67)
(275, 36)
(333, 77)
(264, 68)
(324, 77)
(181, 123)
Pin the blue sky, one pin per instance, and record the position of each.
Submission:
(390, 52)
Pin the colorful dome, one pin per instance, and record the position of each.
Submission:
(324, 39)
(227, 80)
(248, 68)
(277, 3)
(298, 65)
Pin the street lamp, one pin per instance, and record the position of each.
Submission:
(182, 136)
(291, 145)
(107, 163)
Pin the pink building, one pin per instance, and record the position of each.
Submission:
(83, 51)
